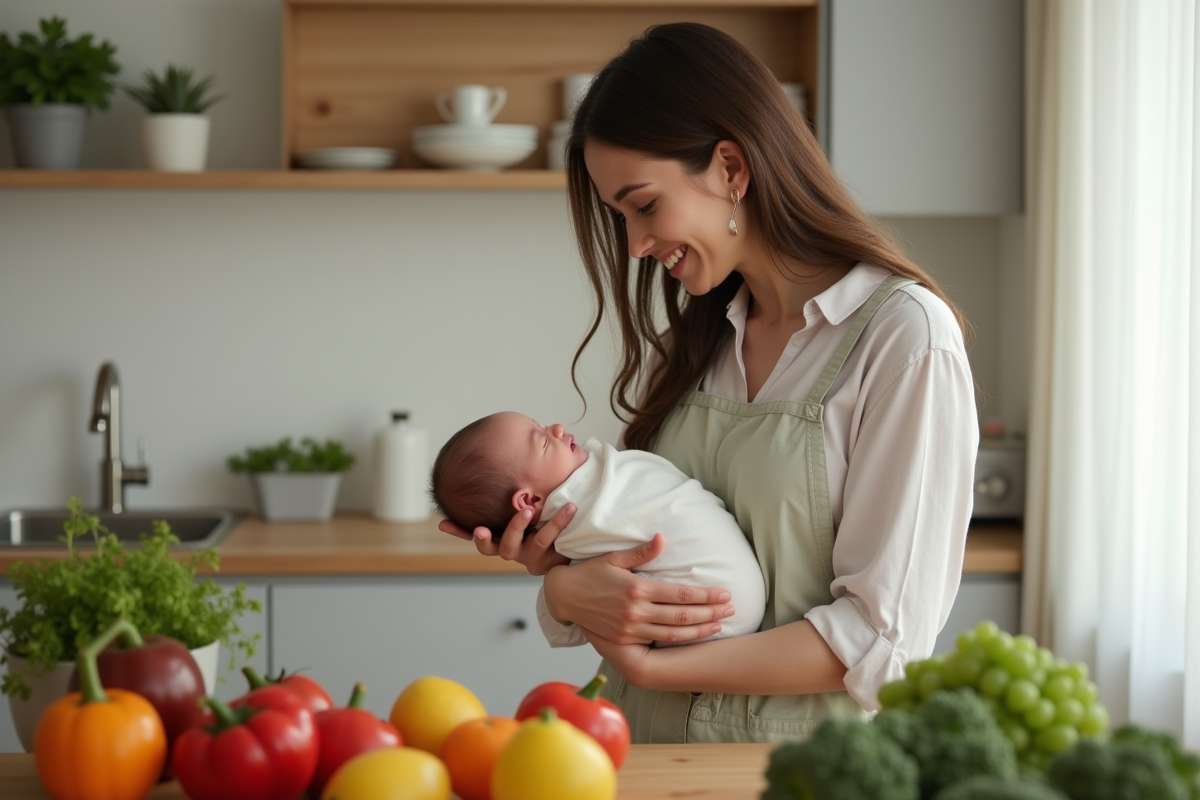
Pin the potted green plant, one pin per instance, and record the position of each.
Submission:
(67, 602)
(293, 482)
(175, 132)
(47, 86)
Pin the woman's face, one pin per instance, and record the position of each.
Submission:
(681, 220)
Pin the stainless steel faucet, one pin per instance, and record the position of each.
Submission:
(106, 419)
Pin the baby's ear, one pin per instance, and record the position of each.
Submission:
(526, 498)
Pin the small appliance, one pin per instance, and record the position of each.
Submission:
(1000, 480)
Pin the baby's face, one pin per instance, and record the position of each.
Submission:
(547, 455)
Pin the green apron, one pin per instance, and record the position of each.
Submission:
(766, 461)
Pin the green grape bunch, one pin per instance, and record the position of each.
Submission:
(1043, 704)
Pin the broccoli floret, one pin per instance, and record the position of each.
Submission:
(842, 760)
(1185, 764)
(952, 736)
(990, 788)
(1130, 770)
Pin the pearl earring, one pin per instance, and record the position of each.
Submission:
(737, 198)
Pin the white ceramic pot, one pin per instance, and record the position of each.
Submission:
(175, 142)
(296, 495)
(53, 685)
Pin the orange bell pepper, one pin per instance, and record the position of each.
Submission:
(97, 745)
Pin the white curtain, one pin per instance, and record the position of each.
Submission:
(1112, 546)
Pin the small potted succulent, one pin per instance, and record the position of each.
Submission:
(67, 602)
(290, 482)
(47, 86)
(175, 132)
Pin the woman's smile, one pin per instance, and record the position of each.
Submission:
(673, 262)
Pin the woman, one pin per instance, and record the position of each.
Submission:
(810, 375)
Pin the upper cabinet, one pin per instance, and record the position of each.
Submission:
(926, 110)
(367, 72)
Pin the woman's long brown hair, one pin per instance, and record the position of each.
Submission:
(673, 94)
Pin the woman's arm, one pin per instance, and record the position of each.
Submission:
(789, 659)
(603, 595)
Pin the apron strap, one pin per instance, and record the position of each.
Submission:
(882, 293)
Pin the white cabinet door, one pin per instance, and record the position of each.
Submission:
(231, 682)
(9, 743)
(926, 110)
(481, 631)
(982, 596)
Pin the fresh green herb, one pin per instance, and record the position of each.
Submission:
(174, 92)
(55, 69)
(65, 603)
(311, 456)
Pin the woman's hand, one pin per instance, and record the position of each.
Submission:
(536, 553)
(631, 661)
(603, 596)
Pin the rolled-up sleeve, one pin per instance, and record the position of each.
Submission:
(898, 554)
(556, 633)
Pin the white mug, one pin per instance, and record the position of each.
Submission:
(472, 104)
(575, 86)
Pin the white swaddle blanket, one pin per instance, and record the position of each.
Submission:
(624, 497)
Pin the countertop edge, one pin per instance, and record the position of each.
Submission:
(356, 544)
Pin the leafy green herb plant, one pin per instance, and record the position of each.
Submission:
(54, 69)
(173, 92)
(310, 456)
(65, 603)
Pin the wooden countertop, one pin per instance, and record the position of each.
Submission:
(356, 544)
(651, 772)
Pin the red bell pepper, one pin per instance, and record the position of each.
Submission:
(593, 715)
(160, 669)
(346, 733)
(263, 746)
(313, 693)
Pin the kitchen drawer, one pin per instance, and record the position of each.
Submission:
(481, 631)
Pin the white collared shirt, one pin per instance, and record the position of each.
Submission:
(901, 436)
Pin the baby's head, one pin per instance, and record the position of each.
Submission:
(499, 465)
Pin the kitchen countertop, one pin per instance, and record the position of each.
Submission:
(651, 772)
(356, 544)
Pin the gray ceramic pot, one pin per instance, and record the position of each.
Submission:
(49, 136)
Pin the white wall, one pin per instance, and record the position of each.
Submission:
(236, 318)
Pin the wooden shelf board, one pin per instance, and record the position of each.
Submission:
(531, 179)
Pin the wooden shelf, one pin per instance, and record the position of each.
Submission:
(425, 179)
(366, 73)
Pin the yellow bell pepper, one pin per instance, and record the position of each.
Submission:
(551, 759)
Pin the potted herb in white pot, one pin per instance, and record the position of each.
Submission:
(175, 133)
(47, 86)
(67, 602)
(294, 483)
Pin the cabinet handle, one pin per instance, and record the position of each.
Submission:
(520, 624)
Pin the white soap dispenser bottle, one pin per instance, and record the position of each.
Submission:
(401, 472)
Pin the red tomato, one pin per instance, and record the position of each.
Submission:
(346, 733)
(312, 693)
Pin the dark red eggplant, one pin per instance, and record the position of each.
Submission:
(160, 669)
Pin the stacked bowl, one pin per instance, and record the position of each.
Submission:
(479, 148)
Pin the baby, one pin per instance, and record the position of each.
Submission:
(506, 462)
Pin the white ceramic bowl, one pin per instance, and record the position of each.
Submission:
(484, 148)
